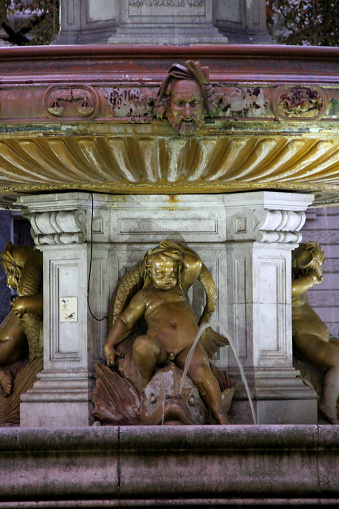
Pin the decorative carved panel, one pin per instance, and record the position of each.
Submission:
(71, 101)
(299, 103)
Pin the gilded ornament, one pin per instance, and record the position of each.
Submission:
(21, 337)
(155, 290)
(310, 335)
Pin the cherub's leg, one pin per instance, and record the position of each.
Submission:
(148, 353)
(326, 355)
(13, 347)
(201, 374)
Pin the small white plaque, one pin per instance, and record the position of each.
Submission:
(68, 309)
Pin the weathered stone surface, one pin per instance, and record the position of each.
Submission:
(190, 466)
(167, 22)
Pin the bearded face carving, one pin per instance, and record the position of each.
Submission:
(186, 107)
(185, 97)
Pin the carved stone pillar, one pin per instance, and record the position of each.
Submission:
(262, 230)
(61, 230)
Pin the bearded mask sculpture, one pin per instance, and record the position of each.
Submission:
(185, 97)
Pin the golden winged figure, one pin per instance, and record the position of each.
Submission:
(156, 289)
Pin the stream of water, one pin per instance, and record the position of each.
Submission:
(242, 373)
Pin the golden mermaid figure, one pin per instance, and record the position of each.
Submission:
(21, 331)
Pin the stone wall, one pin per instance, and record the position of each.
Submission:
(322, 226)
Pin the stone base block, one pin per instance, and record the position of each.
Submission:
(56, 415)
(279, 397)
(293, 411)
(56, 400)
(177, 35)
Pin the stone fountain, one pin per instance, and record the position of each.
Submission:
(102, 177)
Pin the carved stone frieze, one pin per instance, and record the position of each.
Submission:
(140, 102)
(301, 103)
(243, 102)
(63, 227)
(278, 225)
(71, 101)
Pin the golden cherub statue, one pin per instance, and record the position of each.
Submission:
(158, 286)
(310, 334)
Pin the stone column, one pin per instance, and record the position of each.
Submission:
(61, 226)
(262, 230)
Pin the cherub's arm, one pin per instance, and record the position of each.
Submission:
(305, 283)
(194, 269)
(123, 326)
(28, 304)
(207, 282)
(211, 341)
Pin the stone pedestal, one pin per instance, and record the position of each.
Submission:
(243, 22)
(87, 21)
(244, 239)
(163, 22)
(167, 22)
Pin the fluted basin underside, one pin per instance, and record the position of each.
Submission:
(128, 161)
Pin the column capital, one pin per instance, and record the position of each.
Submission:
(59, 228)
(266, 216)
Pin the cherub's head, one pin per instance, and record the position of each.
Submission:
(185, 97)
(162, 266)
(316, 251)
(308, 254)
(307, 257)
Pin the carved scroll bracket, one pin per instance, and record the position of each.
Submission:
(278, 226)
(58, 228)
(266, 225)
